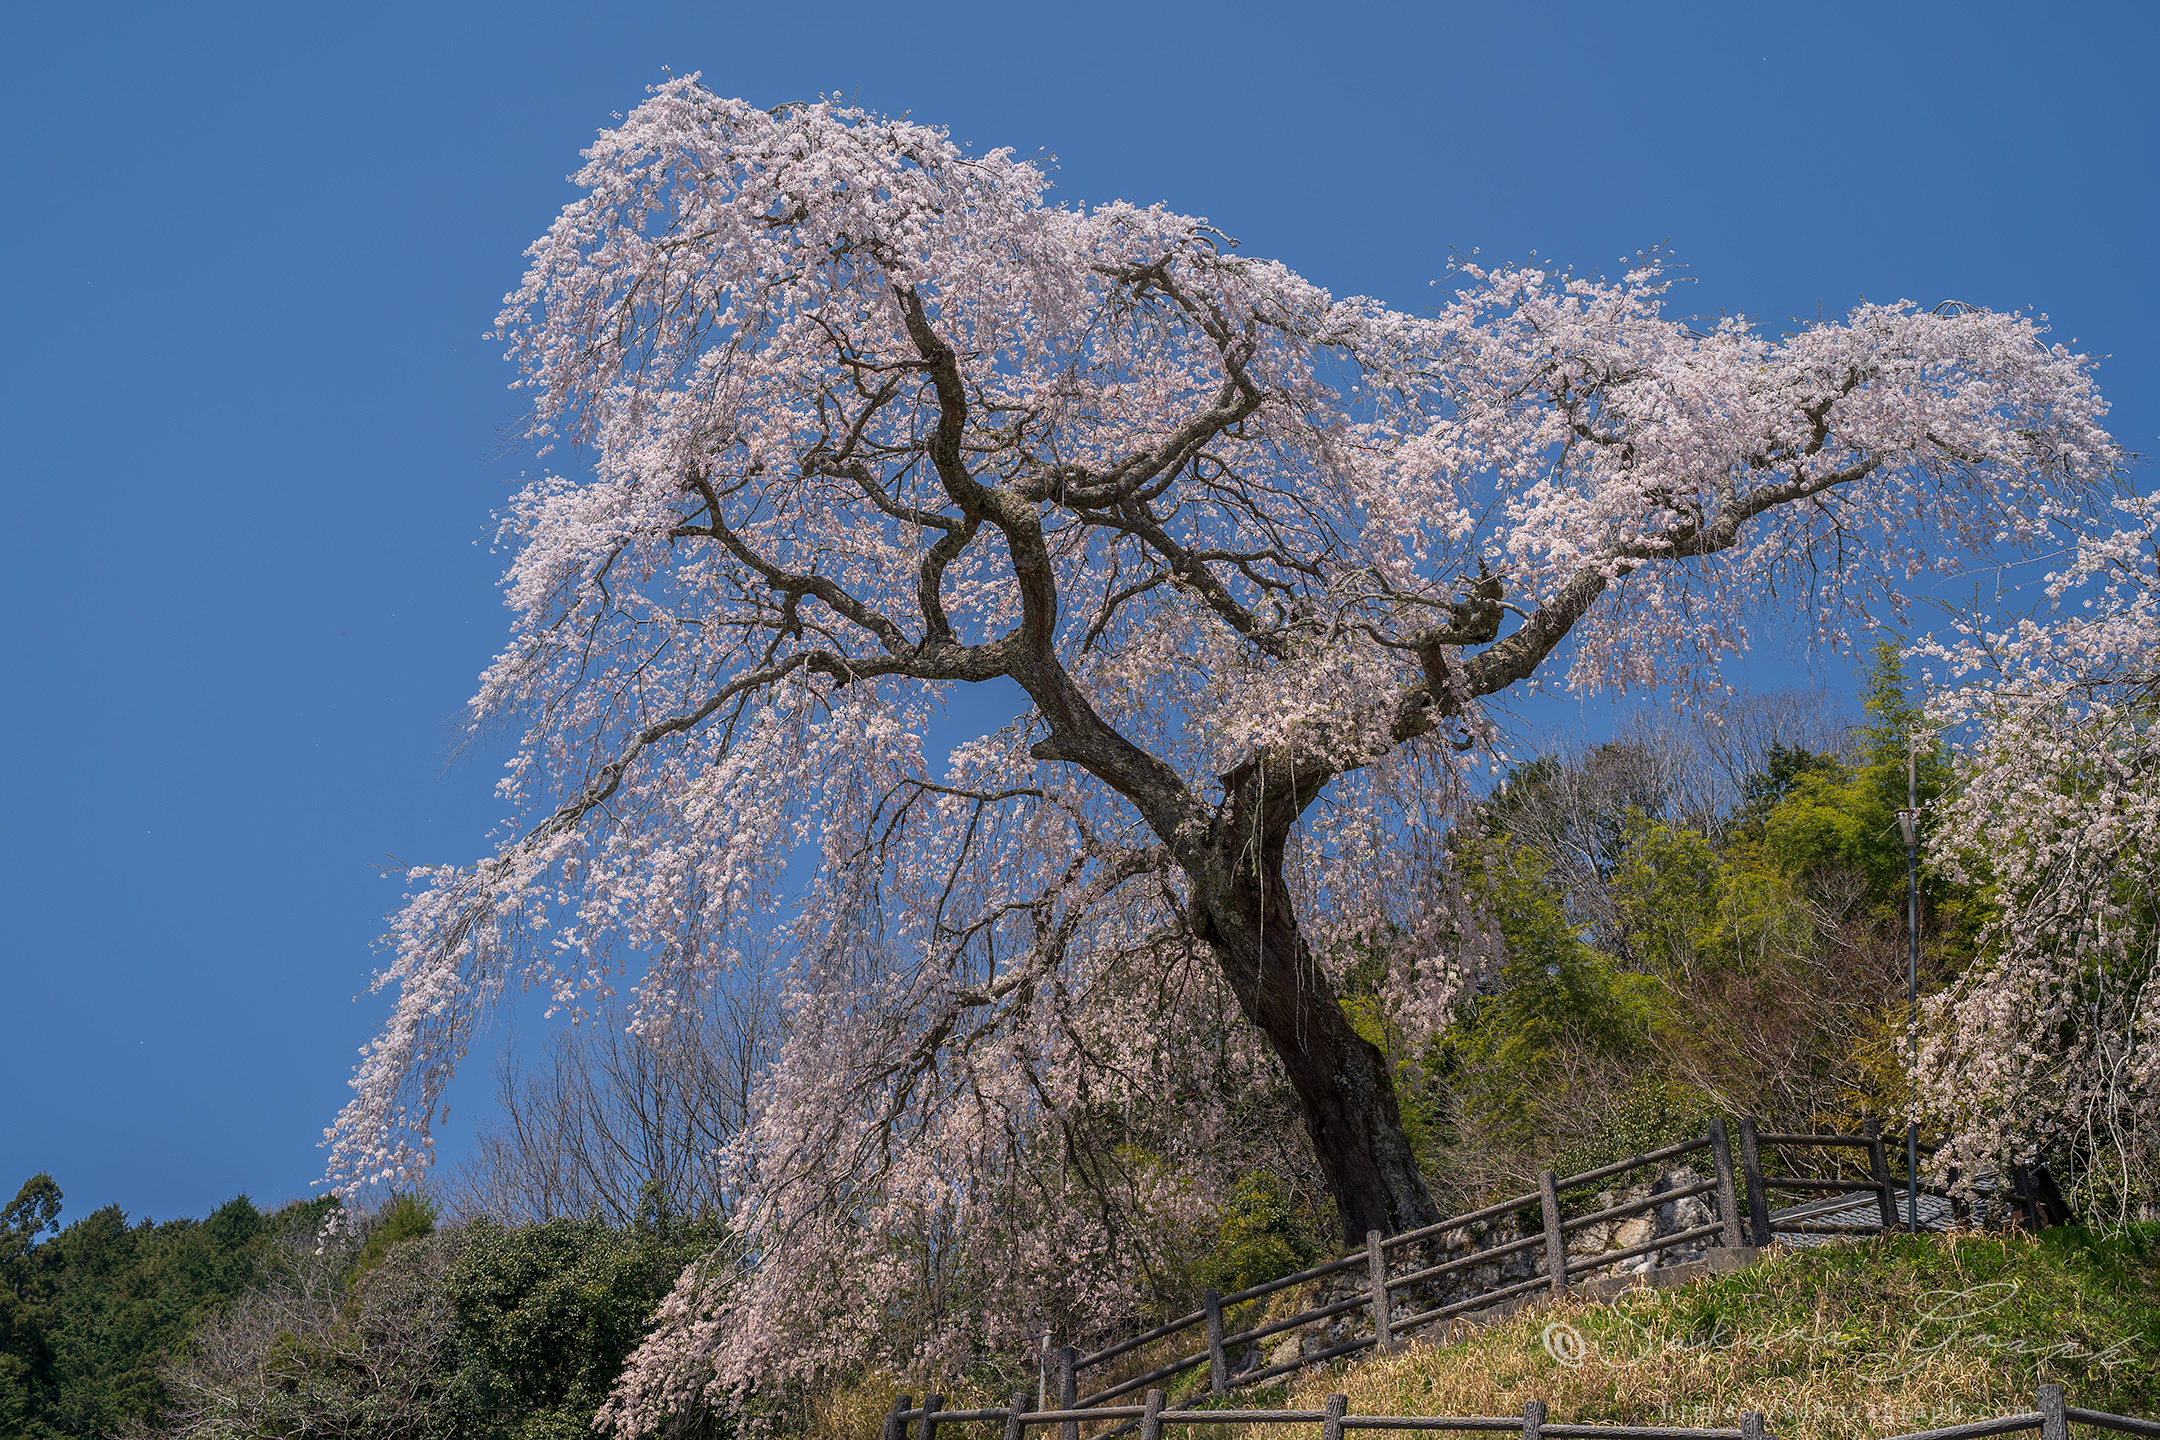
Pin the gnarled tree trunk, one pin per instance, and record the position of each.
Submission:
(1343, 1083)
(1341, 1078)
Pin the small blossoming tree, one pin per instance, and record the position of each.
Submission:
(2050, 1042)
(870, 423)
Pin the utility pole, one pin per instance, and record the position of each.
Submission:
(1909, 822)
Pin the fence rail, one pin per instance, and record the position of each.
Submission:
(2052, 1418)
(1738, 1192)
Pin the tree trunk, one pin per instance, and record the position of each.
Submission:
(1342, 1080)
(1240, 906)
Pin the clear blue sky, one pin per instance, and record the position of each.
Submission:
(251, 428)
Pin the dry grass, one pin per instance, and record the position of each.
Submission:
(1837, 1343)
(1846, 1342)
(853, 1411)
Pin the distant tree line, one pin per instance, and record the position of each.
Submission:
(88, 1315)
(315, 1321)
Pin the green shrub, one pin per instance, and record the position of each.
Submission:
(1264, 1235)
(407, 1217)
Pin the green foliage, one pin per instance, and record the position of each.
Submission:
(1750, 961)
(88, 1316)
(233, 1224)
(1517, 792)
(26, 1354)
(1764, 790)
(1668, 892)
(34, 1210)
(1892, 719)
(1264, 1236)
(1553, 992)
(407, 1217)
(410, 1330)
(1762, 916)
(546, 1315)
(1551, 984)
(1838, 816)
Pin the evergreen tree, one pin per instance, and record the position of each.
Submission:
(89, 1314)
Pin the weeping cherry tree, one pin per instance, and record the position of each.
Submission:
(868, 422)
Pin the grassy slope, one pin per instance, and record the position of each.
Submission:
(1835, 1343)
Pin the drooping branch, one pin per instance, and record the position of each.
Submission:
(873, 419)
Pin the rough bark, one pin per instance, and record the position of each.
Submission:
(1341, 1079)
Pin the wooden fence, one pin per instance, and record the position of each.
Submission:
(2052, 1419)
(1062, 1370)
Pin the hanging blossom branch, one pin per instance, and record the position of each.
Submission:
(870, 422)
(2051, 1041)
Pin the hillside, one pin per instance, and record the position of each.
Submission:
(1832, 1343)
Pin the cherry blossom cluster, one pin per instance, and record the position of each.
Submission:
(864, 419)
(2050, 1043)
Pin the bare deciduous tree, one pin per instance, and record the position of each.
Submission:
(619, 1119)
(316, 1350)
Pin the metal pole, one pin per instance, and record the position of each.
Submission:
(1911, 817)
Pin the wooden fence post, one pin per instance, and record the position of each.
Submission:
(2054, 1425)
(1751, 1426)
(926, 1428)
(1218, 1364)
(2022, 1188)
(1555, 1237)
(893, 1427)
(1376, 1279)
(1758, 1203)
(1337, 1406)
(1069, 1387)
(1728, 1202)
(1533, 1420)
(1013, 1429)
(1878, 1159)
(1151, 1417)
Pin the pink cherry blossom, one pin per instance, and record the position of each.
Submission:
(2050, 1042)
(870, 421)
